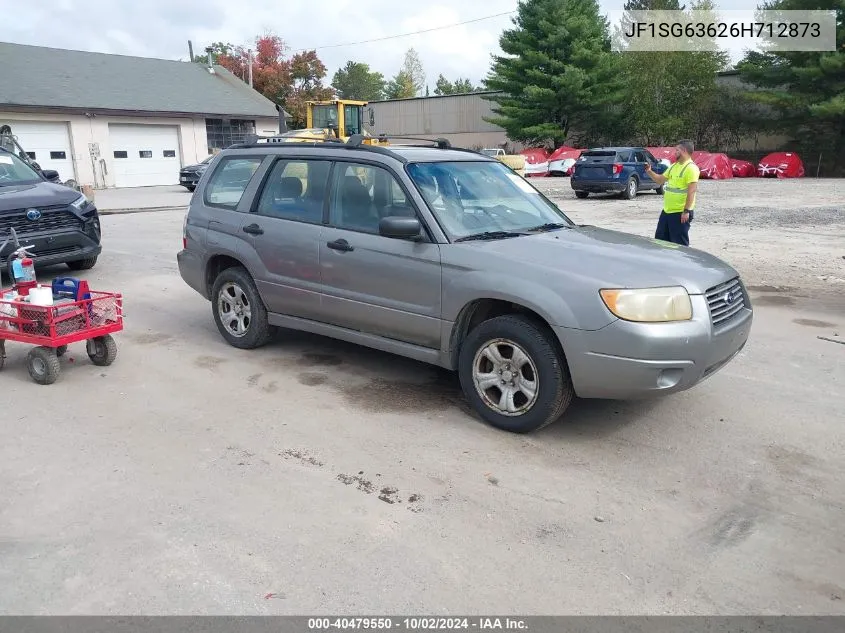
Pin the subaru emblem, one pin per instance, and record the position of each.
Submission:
(33, 214)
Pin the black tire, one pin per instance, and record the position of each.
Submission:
(237, 282)
(101, 350)
(43, 365)
(659, 191)
(553, 391)
(190, 188)
(83, 264)
(61, 350)
(582, 194)
(630, 189)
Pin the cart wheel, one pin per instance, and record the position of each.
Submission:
(102, 350)
(43, 365)
(61, 350)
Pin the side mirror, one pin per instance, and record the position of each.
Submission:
(50, 174)
(399, 228)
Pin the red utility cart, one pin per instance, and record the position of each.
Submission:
(52, 328)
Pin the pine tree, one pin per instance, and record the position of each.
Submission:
(806, 90)
(558, 76)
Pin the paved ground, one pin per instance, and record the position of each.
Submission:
(314, 476)
(135, 198)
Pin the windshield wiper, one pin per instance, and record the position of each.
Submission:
(551, 226)
(489, 235)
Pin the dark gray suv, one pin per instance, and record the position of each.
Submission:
(449, 257)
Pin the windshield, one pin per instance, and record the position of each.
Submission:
(325, 116)
(474, 198)
(13, 171)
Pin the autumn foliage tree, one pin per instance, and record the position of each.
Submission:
(288, 81)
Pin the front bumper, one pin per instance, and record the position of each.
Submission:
(628, 360)
(52, 247)
(189, 178)
(597, 186)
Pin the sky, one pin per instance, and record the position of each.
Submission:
(162, 28)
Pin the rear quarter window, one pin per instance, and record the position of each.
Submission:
(229, 181)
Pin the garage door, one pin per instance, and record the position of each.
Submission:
(47, 143)
(144, 155)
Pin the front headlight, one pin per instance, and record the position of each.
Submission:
(80, 203)
(649, 305)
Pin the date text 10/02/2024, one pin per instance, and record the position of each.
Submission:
(417, 624)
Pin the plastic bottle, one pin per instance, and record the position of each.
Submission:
(24, 275)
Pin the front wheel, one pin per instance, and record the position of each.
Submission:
(239, 312)
(630, 189)
(513, 375)
(83, 264)
(43, 365)
(582, 194)
(659, 191)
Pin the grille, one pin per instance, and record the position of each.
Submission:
(55, 218)
(726, 301)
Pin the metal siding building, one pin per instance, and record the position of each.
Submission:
(459, 118)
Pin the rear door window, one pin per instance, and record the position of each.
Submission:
(295, 190)
(640, 157)
(625, 156)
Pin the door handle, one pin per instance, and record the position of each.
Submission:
(340, 245)
(253, 229)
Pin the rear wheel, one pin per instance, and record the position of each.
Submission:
(101, 350)
(582, 194)
(513, 374)
(239, 312)
(630, 189)
(83, 264)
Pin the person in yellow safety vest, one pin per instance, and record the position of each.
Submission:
(680, 183)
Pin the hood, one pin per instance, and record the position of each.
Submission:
(611, 258)
(196, 167)
(39, 194)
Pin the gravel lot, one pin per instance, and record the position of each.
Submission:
(786, 235)
(312, 476)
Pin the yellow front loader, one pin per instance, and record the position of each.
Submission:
(336, 119)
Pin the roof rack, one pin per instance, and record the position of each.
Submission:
(440, 143)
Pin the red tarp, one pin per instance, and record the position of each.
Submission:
(781, 165)
(663, 153)
(562, 160)
(713, 166)
(536, 161)
(742, 168)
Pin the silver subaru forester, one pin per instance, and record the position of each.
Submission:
(448, 257)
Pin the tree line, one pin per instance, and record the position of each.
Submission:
(293, 79)
(558, 82)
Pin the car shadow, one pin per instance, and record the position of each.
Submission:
(587, 420)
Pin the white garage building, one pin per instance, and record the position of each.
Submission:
(118, 121)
